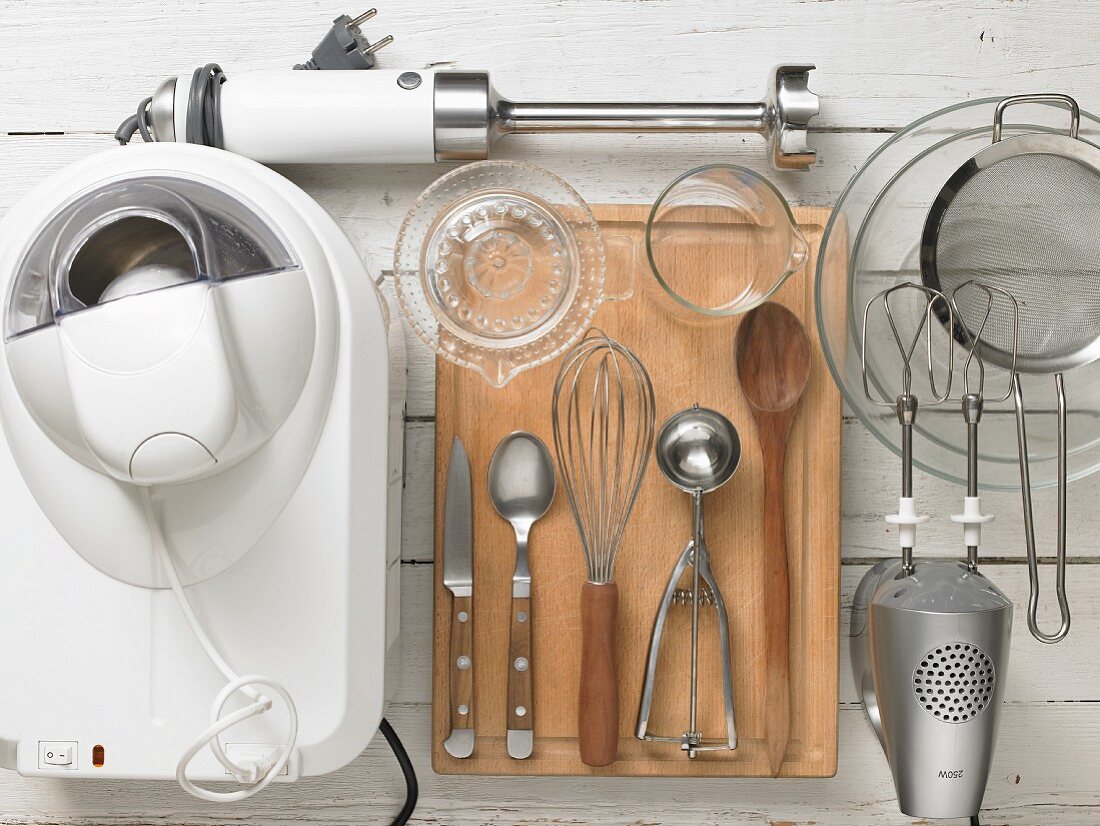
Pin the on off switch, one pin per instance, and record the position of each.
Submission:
(56, 755)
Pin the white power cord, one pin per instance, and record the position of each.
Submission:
(258, 774)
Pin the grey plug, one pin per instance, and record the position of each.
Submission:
(345, 46)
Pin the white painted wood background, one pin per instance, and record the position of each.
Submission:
(70, 70)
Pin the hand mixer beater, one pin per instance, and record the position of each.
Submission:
(698, 451)
(930, 639)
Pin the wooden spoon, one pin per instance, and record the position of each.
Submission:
(773, 366)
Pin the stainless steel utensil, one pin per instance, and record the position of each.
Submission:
(929, 639)
(521, 486)
(698, 451)
(1020, 216)
(974, 399)
(906, 403)
(603, 432)
(458, 577)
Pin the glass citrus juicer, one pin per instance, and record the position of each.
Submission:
(499, 267)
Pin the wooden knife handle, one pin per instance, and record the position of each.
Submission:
(461, 669)
(777, 699)
(598, 712)
(520, 692)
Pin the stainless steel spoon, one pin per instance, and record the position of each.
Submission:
(522, 486)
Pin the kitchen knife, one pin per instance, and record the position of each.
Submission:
(458, 578)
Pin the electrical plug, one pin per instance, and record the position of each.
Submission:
(345, 46)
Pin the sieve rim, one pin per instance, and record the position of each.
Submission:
(1075, 149)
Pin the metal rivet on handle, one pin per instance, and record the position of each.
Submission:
(463, 663)
(408, 80)
(520, 664)
(521, 711)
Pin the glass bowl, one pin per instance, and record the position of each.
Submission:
(721, 240)
(874, 233)
(499, 267)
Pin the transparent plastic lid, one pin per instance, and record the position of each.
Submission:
(133, 236)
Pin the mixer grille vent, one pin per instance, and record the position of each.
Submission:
(954, 682)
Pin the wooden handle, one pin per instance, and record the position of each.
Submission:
(777, 698)
(461, 741)
(520, 691)
(598, 712)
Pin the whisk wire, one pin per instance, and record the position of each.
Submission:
(603, 416)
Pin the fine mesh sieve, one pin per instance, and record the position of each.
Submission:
(1020, 216)
(1025, 224)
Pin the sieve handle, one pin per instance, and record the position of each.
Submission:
(1029, 524)
(1065, 101)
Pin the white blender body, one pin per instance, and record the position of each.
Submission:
(187, 326)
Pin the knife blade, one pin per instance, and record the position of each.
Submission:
(458, 578)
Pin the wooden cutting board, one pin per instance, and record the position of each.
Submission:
(689, 363)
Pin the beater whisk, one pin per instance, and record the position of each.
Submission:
(603, 415)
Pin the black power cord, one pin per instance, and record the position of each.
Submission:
(412, 790)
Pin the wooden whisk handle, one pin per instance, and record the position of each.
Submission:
(598, 712)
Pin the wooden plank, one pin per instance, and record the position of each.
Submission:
(615, 49)
(1023, 790)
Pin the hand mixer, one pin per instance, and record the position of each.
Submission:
(698, 451)
(930, 639)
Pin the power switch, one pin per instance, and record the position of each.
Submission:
(56, 755)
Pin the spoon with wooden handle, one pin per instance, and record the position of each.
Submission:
(773, 366)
